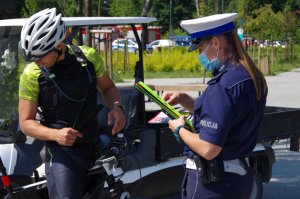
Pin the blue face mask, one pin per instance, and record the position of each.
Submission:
(206, 63)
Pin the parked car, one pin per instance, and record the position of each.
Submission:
(121, 44)
(272, 43)
(279, 44)
(131, 45)
(162, 43)
(183, 40)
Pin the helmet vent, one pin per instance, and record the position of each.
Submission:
(30, 30)
(52, 35)
(51, 24)
(36, 47)
(26, 44)
(42, 35)
(50, 46)
(41, 24)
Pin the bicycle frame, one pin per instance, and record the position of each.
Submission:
(103, 167)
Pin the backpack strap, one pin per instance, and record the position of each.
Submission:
(80, 56)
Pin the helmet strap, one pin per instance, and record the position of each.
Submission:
(59, 52)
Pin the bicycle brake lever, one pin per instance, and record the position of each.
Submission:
(110, 160)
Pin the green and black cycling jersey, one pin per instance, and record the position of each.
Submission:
(61, 90)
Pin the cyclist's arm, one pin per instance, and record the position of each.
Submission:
(28, 123)
(109, 91)
(32, 128)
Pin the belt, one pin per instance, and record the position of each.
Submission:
(230, 166)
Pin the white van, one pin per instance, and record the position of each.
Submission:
(162, 43)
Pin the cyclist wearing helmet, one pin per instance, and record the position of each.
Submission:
(64, 86)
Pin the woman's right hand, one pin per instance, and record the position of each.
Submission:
(172, 98)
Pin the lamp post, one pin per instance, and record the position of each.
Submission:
(222, 6)
(170, 20)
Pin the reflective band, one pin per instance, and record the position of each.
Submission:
(230, 166)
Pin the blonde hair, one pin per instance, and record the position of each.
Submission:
(240, 55)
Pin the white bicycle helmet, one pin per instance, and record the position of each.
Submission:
(41, 34)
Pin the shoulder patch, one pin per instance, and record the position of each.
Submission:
(209, 124)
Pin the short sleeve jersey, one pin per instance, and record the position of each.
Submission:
(29, 86)
(228, 114)
(63, 89)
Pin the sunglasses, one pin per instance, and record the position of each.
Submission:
(30, 57)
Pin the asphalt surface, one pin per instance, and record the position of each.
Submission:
(284, 91)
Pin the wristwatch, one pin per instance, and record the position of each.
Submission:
(176, 132)
(119, 105)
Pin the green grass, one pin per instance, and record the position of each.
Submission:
(284, 66)
(178, 63)
(158, 74)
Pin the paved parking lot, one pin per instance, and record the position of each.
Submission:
(284, 90)
(286, 174)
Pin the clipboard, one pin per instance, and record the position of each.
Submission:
(165, 106)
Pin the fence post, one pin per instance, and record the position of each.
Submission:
(264, 65)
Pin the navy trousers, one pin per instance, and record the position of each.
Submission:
(232, 186)
(66, 169)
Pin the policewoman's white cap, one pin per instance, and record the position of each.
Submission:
(208, 26)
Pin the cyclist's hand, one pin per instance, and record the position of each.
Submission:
(116, 118)
(67, 136)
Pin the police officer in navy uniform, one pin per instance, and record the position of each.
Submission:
(226, 116)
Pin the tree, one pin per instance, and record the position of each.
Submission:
(264, 23)
(10, 9)
(87, 11)
(197, 7)
(181, 10)
(66, 7)
(123, 8)
(79, 8)
(144, 35)
(33, 6)
(288, 24)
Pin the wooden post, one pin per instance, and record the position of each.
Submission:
(105, 55)
(125, 55)
(272, 52)
(93, 38)
(264, 65)
(111, 74)
(293, 49)
(258, 56)
(107, 49)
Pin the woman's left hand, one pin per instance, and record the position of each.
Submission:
(116, 118)
(173, 124)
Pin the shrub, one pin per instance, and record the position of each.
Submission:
(167, 59)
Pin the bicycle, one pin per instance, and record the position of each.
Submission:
(101, 173)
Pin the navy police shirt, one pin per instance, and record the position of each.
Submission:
(228, 114)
